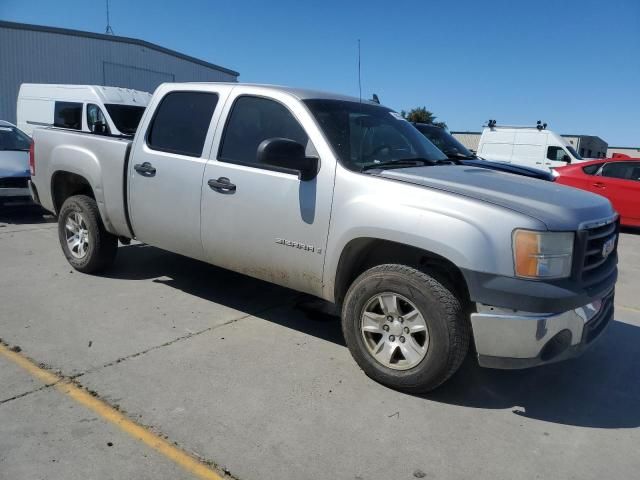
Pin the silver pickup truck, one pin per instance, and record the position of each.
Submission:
(344, 200)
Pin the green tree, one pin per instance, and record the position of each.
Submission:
(422, 115)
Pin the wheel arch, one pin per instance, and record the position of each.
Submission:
(65, 184)
(361, 254)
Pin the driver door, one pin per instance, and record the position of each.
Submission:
(257, 219)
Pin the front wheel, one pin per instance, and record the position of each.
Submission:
(87, 245)
(404, 328)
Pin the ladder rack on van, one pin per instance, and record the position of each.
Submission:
(492, 125)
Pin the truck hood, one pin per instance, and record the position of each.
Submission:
(14, 163)
(557, 206)
(509, 168)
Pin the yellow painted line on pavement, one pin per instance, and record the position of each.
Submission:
(631, 309)
(111, 415)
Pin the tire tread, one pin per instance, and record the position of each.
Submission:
(458, 327)
(105, 244)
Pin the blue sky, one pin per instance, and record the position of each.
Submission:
(573, 64)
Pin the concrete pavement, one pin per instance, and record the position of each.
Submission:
(229, 369)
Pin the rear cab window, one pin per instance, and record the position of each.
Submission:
(181, 122)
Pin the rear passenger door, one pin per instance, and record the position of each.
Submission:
(268, 223)
(166, 168)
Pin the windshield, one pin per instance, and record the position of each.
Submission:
(573, 152)
(363, 135)
(125, 117)
(444, 141)
(13, 139)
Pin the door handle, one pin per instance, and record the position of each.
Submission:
(145, 169)
(599, 185)
(222, 185)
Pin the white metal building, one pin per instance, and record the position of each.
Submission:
(633, 152)
(37, 54)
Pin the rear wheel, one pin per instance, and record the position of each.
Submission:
(404, 328)
(86, 244)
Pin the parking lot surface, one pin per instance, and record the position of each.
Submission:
(233, 371)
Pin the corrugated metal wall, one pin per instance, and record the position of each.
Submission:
(30, 56)
(468, 139)
(633, 152)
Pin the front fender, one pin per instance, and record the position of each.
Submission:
(471, 234)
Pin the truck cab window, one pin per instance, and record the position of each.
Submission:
(96, 120)
(68, 115)
(557, 154)
(253, 120)
(181, 123)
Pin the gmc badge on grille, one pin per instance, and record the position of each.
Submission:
(608, 247)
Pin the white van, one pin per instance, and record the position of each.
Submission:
(531, 146)
(88, 108)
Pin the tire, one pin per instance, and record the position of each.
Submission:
(411, 367)
(98, 248)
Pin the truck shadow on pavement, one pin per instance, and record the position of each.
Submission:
(240, 292)
(630, 230)
(600, 389)
(26, 213)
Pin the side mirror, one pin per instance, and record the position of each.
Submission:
(289, 155)
(566, 158)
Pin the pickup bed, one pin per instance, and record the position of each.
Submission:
(344, 200)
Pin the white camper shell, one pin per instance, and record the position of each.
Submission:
(530, 146)
(87, 108)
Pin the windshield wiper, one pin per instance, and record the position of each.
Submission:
(457, 156)
(401, 163)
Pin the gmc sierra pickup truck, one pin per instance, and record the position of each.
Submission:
(344, 200)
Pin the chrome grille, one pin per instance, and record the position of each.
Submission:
(596, 266)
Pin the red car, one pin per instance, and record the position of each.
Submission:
(617, 179)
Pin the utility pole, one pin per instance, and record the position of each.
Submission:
(108, 30)
(359, 79)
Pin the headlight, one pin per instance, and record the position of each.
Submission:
(542, 254)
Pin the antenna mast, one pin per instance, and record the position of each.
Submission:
(359, 79)
(108, 30)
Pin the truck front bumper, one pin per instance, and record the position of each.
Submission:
(511, 339)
